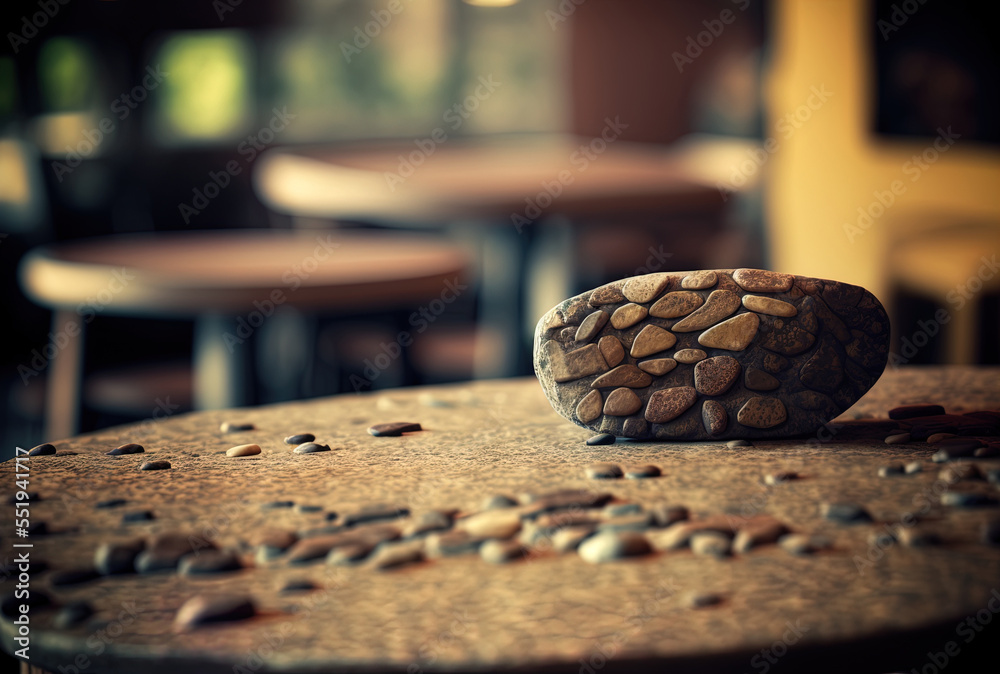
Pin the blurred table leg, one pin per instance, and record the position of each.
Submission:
(62, 395)
(219, 363)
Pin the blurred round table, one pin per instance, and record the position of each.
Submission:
(231, 282)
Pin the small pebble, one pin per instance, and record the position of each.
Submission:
(166, 549)
(394, 429)
(568, 539)
(915, 537)
(155, 465)
(306, 508)
(913, 411)
(640, 472)
(607, 546)
(72, 615)
(938, 437)
(960, 471)
(501, 552)
(619, 509)
(710, 543)
(758, 531)
(603, 471)
(801, 544)
(637, 522)
(116, 558)
(36, 600)
(298, 585)
(990, 533)
(987, 452)
(311, 448)
(299, 439)
(208, 561)
(913, 467)
(130, 448)
(845, 513)
(491, 524)
(138, 516)
(960, 499)
(243, 450)
(271, 543)
(733, 444)
(702, 599)
(73, 576)
(497, 502)
(434, 520)
(898, 439)
(203, 609)
(777, 478)
(272, 505)
(601, 439)
(374, 513)
(451, 543)
(395, 555)
(666, 514)
(891, 469)
(111, 503)
(42, 450)
(230, 427)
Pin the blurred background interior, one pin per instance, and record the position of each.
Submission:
(479, 161)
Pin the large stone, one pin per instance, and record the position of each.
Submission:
(670, 403)
(720, 304)
(652, 339)
(676, 304)
(734, 334)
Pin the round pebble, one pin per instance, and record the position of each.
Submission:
(608, 546)
(42, 450)
(712, 543)
(897, 439)
(208, 561)
(129, 448)
(393, 429)
(501, 552)
(702, 599)
(938, 437)
(311, 448)
(960, 499)
(845, 513)
(203, 609)
(913, 467)
(155, 465)
(732, 444)
(243, 450)
(117, 558)
(72, 615)
(891, 469)
(777, 478)
(603, 471)
(231, 427)
(601, 439)
(640, 472)
(497, 502)
(299, 438)
(491, 524)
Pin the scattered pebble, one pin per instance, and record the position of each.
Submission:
(913, 467)
(960, 499)
(601, 439)
(203, 609)
(619, 509)
(298, 585)
(138, 516)
(311, 448)
(116, 558)
(497, 502)
(914, 537)
(733, 444)
(491, 524)
(666, 514)
(702, 599)
(72, 615)
(272, 505)
(208, 561)
(898, 439)
(130, 448)
(607, 546)
(987, 452)
(166, 549)
(451, 543)
(891, 469)
(110, 503)
(394, 555)
(603, 471)
(42, 450)
(299, 439)
(243, 450)
(913, 411)
(433, 520)
(155, 465)
(938, 437)
(374, 513)
(802, 544)
(640, 472)
(777, 478)
(393, 429)
(230, 427)
(710, 543)
(845, 513)
(501, 552)
(960, 471)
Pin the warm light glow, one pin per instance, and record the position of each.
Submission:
(14, 186)
(491, 3)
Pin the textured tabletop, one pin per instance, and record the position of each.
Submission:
(855, 600)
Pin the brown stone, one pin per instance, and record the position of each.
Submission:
(762, 413)
(690, 356)
(635, 427)
(652, 339)
(676, 304)
(761, 530)
(589, 407)
(714, 416)
(642, 289)
(769, 305)
(763, 281)
(720, 304)
(670, 403)
(575, 364)
(243, 450)
(699, 280)
(623, 375)
(714, 376)
(591, 325)
(628, 315)
(608, 294)
(612, 350)
(789, 340)
(823, 371)
(734, 334)
(758, 380)
(658, 366)
(552, 320)
(774, 363)
(622, 402)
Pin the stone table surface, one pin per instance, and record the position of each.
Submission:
(849, 606)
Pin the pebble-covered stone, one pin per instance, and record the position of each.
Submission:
(913, 411)
(393, 429)
(243, 450)
(234, 427)
(845, 513)
(891, 469)
(603, 471)
(643, 471)
(208, 561)
(72, 614)
(155, 465)
(710, 543)
(601, 439)
(501, 552)
(607, 546)
(45, 449)
(299, 439)
(129, 448)
(310, 448)
(113, 558)
(204, 609)
(897, 439)
(491, 524)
